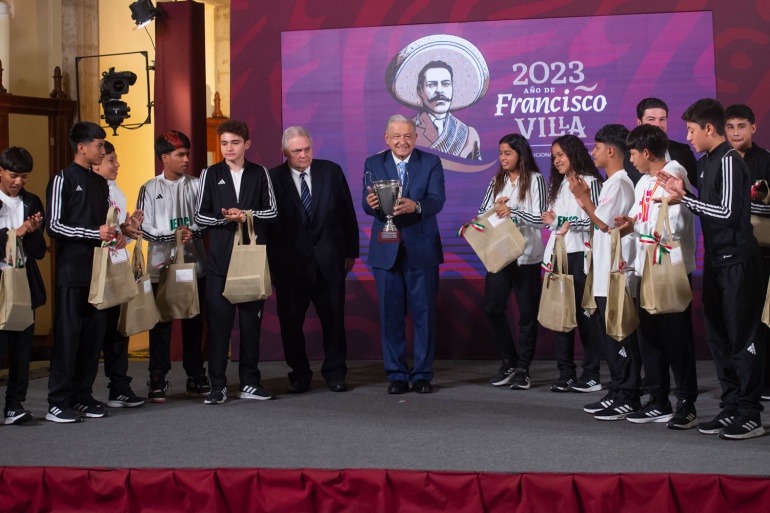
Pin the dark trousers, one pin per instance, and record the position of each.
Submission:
(396, 287)
(115, 351)
(623, 360)
(524, 281)
(19, 346)
(221, 316)
(764, 331)
(590, 331)
(666, 341)
(732, 308)
(292, 301)
(78, 338)
(192, 340)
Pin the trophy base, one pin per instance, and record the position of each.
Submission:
(394, 236)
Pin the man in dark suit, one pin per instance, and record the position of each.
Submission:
(653, 111)
(406, 271)
(313, 246)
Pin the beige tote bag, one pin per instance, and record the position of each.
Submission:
(140, 314)
(248, 276)
(15, 296)
(557, 302)
(497, 242)
(112, 282)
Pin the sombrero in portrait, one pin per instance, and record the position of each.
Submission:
(469, 70)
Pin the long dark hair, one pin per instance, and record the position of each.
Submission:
(527, 165)
(579, 160)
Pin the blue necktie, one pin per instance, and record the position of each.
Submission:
(401, 171)
(305, 196)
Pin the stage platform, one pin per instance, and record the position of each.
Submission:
(466, 428)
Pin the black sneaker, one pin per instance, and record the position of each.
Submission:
(17, 416)
(520, 380)
(91, 408)
(741, 428)
(603, 403)
(684, 418)
(563, 385)
(124, 397)
(652, 412)
(590, 385)
(618, 411)
(216, 396)
(256, 392)
(156, 391)
(63, 415)
(717, 424)
(503, 376)
(198, 386)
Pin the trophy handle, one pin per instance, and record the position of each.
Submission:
(368, 180)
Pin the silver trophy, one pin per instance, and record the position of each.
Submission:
(388, 193)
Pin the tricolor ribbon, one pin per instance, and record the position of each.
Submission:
(660, 247)
(111, 243)
(162, 266)
(549, 274)
(473, 224)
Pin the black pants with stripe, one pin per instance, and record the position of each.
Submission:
(591, 332)
(192, 340)
(732, 309)
(666, 341)
(19, 346)
(623, 360)
(221, 317)
(524, 281)
(78, 338)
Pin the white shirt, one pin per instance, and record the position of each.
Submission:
(527, 213)
(616, 199)
(566, 209)
(11, 216)
(680, 218)
(237, 175)
(298, 181)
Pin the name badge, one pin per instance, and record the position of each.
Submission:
(496, 221)
(147, 287)
(676, 256)
(184, 275)
(118, 256)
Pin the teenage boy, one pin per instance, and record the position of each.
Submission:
(732, 284)
(654, 111)
(616, 198)
(168, 203)
(23, 212)
(665, 340)
(740, 127)
(78, 200)
(115, 347)
(228, 189)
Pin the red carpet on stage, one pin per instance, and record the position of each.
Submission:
(32, 489)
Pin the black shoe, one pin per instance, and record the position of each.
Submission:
(520, 380)
(604, 402)
(256, 392)
(198, 386)
(503, 377)
(586, 385)
(685, 417)
(157, 388)
(338, 385)
(422, 386)
(717, 424)
(652, 412)
(741, 428)
(618, 411)
(398, 386)
(16, 416)
(124, 397)
(216, 396)
(563, 385)
(91, 408)
(63, 415)
(298, 387)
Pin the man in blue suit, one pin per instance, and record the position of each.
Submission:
(406, 272)
(311, 248)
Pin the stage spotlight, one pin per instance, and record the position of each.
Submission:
(143, 12)
(114, 85)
